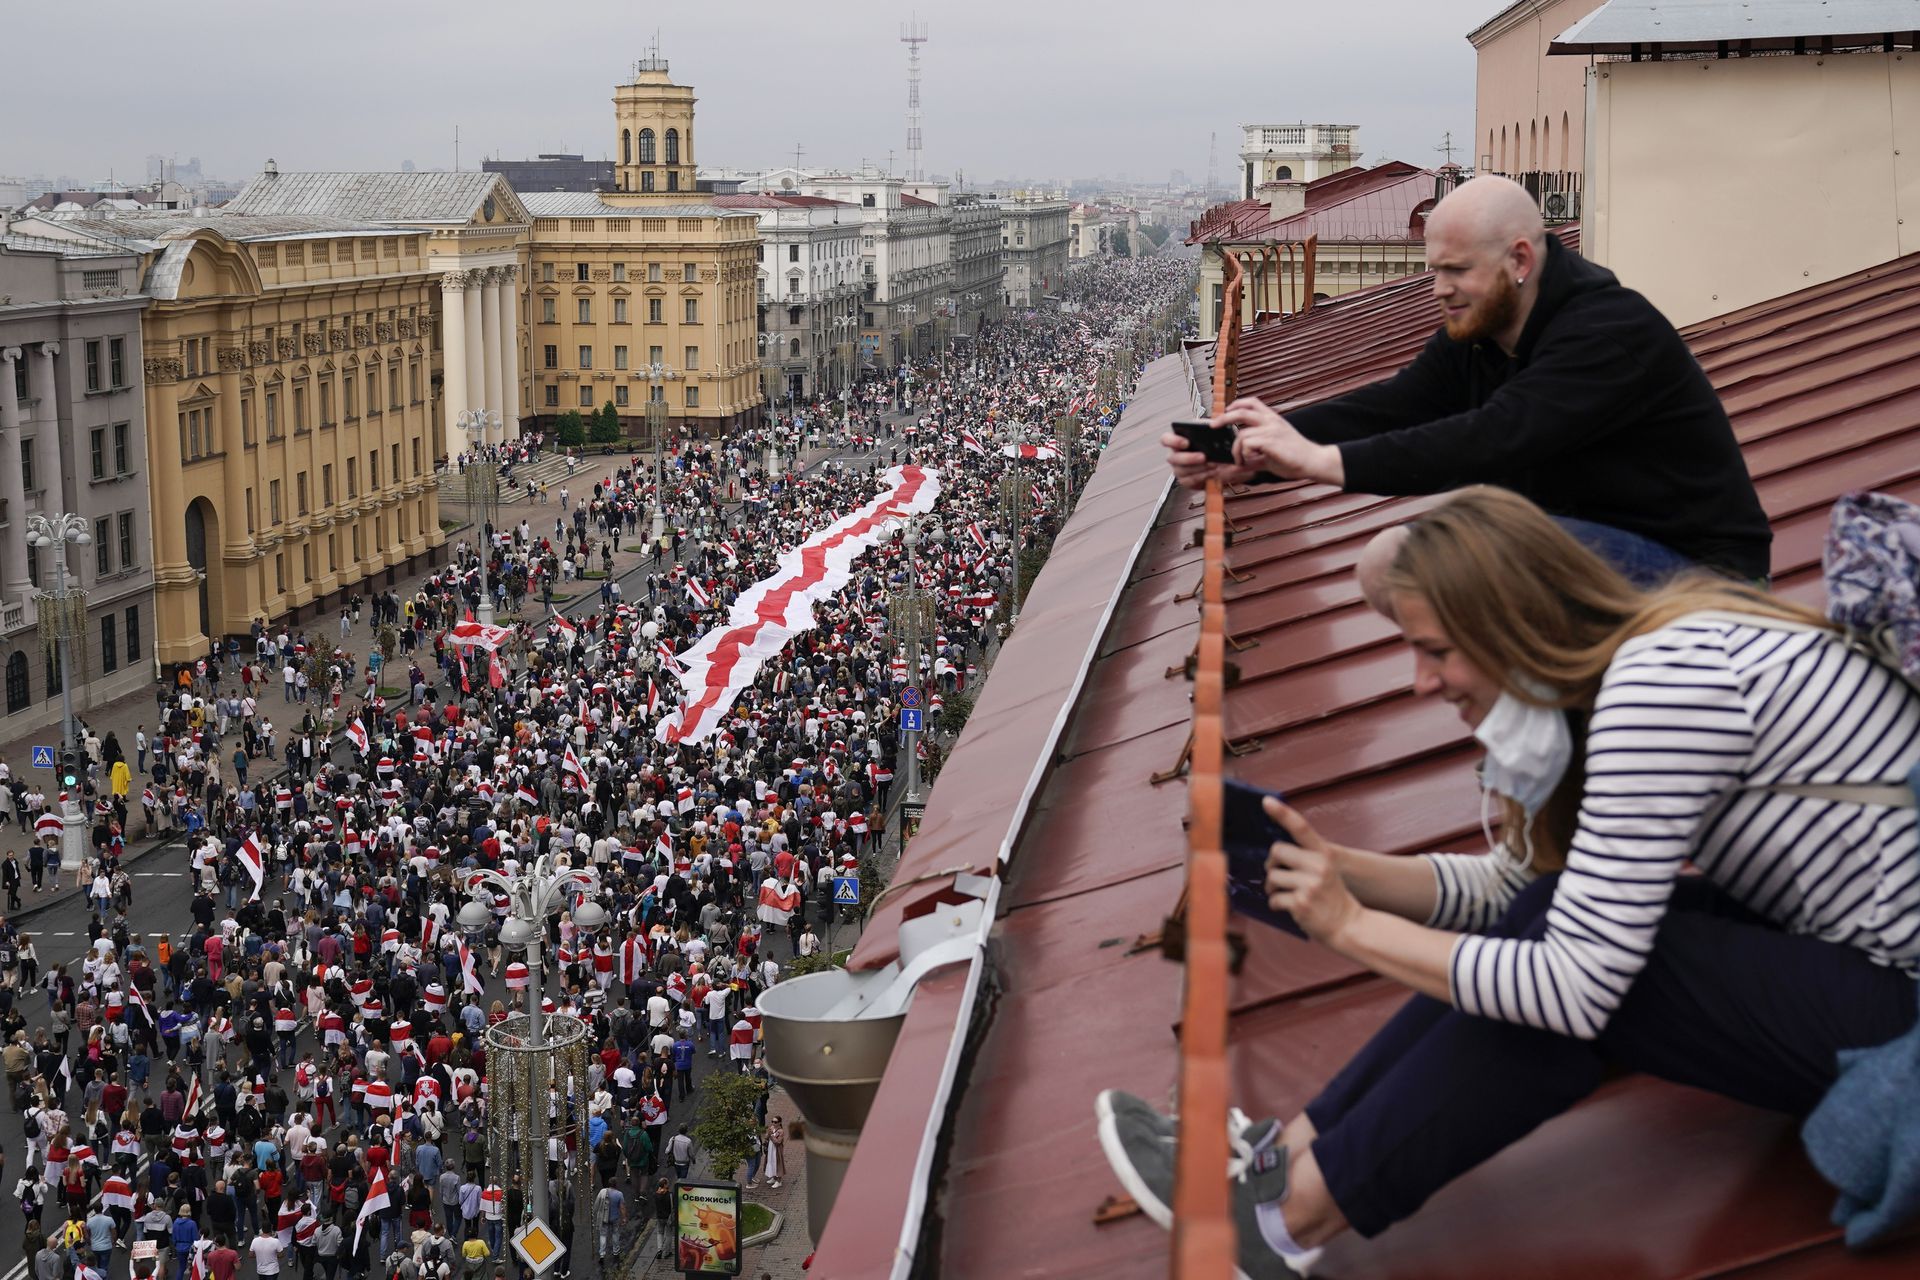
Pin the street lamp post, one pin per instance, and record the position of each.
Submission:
(912, 621)
(63, 615)
(532, 896)
(657, 374)
(1011, 483)
(483, 486)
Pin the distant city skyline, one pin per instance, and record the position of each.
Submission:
(1010, 91)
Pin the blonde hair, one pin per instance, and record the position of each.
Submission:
(1531, 607)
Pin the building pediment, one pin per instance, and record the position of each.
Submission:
(548, 291)
(585, 290)
(656, 291)
(689, 291)
(620, 291)
(201, 391)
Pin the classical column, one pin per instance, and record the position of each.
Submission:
(46, 436)
(510, 351)
(236, 541)
(453, 388)
(13, 554)
(476, 329)
(490, 353)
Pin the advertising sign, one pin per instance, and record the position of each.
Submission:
(706, 1228)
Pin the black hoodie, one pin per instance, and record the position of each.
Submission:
(1601, 414)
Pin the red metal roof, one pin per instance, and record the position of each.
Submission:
(1644, 1179)
(767, 200)
(1354, 204)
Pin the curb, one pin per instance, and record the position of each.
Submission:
(773, 1230)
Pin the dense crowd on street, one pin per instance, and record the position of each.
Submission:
(295, 1074)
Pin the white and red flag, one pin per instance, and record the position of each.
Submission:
(357, 735)
(485, 635)
(972, 444)
(571, 764)
(653, 696)
(255, 865)
(1030, 452)
(469, 974)
(701, 596)
(376, 1202)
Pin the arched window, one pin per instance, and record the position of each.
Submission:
(794, 348)
(626, 146)
(1502, 166)
(17, 696)
(1283, 174)
(1566, 144)
(1533, 144)
(646, 146)
(673, 146)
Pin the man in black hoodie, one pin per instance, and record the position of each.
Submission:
(1548, 377)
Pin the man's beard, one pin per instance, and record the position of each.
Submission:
(1489, 316)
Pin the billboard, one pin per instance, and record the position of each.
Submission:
(706, 1228)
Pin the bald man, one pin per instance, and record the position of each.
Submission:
(1548, 377)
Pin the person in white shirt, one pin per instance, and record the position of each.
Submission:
(266, 1250)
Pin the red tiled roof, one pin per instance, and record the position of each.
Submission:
(767, 200)
(1644, 1179)
(915, 202)
(1353, 204)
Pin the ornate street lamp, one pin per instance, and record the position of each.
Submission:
(63, 616)
(657, 374)
(911, 622)
(517, 1131)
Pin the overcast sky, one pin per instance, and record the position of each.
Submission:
(1041, 88)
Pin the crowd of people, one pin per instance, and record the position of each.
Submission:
(296, 1073)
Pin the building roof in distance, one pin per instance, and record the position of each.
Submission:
(150, 228)
(1378, 203)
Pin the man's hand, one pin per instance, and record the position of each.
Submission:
(1268, 442)
(1192, 470)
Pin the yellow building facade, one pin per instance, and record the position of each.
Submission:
(290, 405)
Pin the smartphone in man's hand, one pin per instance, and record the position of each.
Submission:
(1213, 443)
(1247, 835)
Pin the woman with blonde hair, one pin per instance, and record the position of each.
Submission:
(1628, 734)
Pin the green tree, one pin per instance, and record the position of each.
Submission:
(606, 425)
(724, 1123)
(1121, 248)
(573, 430)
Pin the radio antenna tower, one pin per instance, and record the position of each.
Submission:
(913, 35)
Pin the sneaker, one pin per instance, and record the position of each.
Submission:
(1140, 1144)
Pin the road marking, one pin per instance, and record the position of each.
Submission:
(66, 933)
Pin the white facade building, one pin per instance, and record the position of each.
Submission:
(906, 250)
(1294, 153)
(810, 286)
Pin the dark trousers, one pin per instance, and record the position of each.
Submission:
(1726, 1003)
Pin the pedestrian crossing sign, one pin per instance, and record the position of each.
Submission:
(846, 891)
(42, 756)
(537, 1246)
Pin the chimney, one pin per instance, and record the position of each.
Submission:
(272, 169)
(1284, 199)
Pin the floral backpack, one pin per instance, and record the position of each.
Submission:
(1872, 566)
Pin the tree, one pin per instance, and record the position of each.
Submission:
(606, 425)
(573, 430)
(1121, 249)
(724, 1122)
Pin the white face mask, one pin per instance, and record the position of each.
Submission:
(1528, 750)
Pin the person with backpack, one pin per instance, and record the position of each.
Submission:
(1630, 735)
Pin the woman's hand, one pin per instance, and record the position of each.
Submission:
(1304, 880)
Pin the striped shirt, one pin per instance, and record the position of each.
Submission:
(1690, 723)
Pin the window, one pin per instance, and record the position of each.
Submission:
(326, 402)
(120, 467)
(689, 273)
(33, 565)
(109, 635)
(693, 359)
(326, 484)
(673, 183)
(646, 146)
(280, 559)
(413, 382)
(693, 311)
(693, 397)
(582, 270)
(653, 277)
(793, 315)
(793, 347)
(619, 310)
(103, 546)
(546, 273)
(619, 268)
(586, 397)
(551, 355)
(125, 525)
(626, 146)
(620, 396)
(393, 386)
(273, 415)
(249, 511)
(654, 309)
(546, 312)
(117, 359)
(133, 633)
(373, 393)
(583, 308)
(656, 393)
(98, 441)
(793, 253)
(619, 357)
(646, 180)
(93, 365)
(273, 502)
(395, 455)
(17, 695)
(656, 355)
(586, 356)
(299, 408)
(416, 455)
(353, 477)
(346, 398)
(373, 468)
(673, 146)
(553, 397)
(306, 562)
(300, 493)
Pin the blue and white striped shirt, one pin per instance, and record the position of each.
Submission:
(1691, 721)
